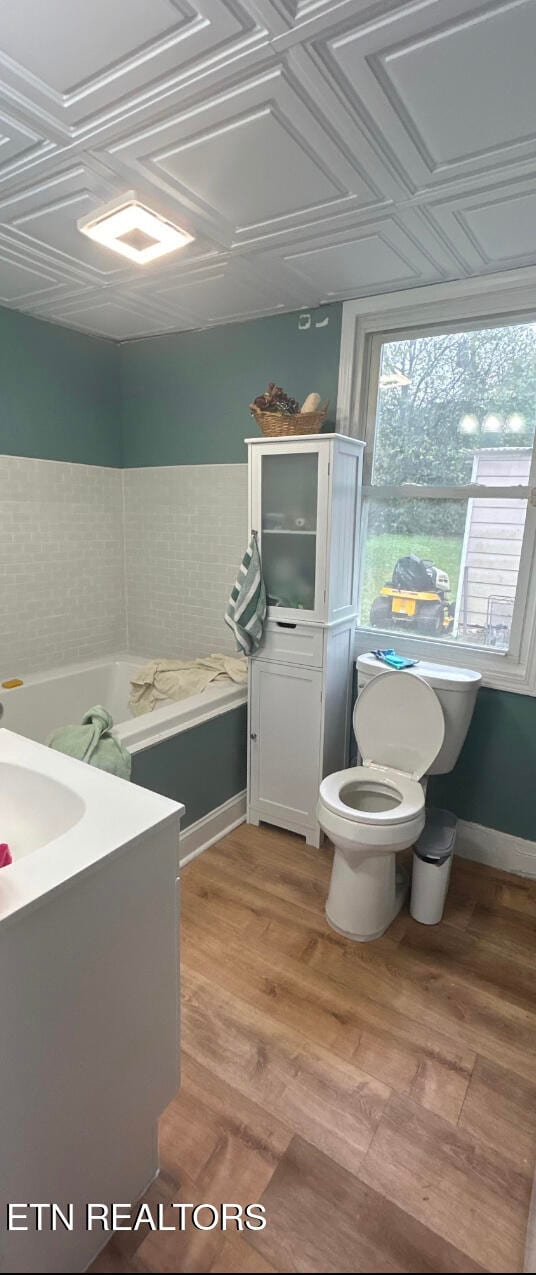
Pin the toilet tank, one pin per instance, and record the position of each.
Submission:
(456, 690)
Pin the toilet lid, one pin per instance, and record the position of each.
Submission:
(398, 722)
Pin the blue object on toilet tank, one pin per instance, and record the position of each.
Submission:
(390, 657)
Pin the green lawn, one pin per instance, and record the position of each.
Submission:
(382, 551)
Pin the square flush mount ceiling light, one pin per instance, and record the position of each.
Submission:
(130, 228)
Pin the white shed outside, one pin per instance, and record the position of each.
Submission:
(491, 548)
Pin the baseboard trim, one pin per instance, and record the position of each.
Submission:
(217, 823)
(497, 849)
(474, 841)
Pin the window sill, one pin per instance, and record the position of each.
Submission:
(499, 670)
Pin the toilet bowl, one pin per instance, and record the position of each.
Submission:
(373, 811)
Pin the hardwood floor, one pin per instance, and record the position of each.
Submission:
(379, 1100)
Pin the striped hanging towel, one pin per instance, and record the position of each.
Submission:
(246, 608)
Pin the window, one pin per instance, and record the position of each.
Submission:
(450, 426)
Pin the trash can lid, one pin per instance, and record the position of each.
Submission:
(438, 835)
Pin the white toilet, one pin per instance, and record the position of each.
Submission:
(406, 724)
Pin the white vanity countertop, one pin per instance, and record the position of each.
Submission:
(115, 813)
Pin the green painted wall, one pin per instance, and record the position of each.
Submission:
(494, 781)
(202, 767)
(177, 399)
(59, 393)
(185, 396)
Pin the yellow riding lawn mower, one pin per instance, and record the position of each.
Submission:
(415, 599)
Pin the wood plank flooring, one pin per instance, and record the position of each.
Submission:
(378, 1099)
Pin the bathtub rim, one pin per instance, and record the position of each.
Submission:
(58, 671)
(172, 719)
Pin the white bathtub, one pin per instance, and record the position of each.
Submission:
(60, 697)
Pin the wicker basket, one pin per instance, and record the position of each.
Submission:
(277, 425)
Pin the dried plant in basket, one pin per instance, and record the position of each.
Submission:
(278, 415)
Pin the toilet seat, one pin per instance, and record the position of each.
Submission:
(368, 779)
(398, 724)
(399, 728)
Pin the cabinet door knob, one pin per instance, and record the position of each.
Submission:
(253, 735)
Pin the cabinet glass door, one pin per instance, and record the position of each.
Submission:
(289, 503)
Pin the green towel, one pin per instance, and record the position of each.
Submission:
(246, 608)
(93, 743)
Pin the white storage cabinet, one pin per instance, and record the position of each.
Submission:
(304, 502)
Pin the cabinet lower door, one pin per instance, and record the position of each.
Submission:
(285, 731)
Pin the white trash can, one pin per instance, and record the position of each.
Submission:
(432, 862)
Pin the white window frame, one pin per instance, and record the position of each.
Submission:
(489, 301)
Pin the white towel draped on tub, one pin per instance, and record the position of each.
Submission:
(177, 679)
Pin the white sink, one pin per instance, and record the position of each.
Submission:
(60, 817)
(34, 809)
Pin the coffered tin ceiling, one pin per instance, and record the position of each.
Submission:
(316, 149)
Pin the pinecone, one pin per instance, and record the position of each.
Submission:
(276, 400)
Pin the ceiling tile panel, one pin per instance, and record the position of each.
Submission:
(227, 290)
(91, 38)
(19, 145)
(107, 314)
(504, 228)
(43, 217)
(449, 87)
(374, 257)
(369, 261)
(23, 279)
(252, 170)
(78, 62)
(256, 156)
(434, 83)
(53, 226)
(492, 229)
